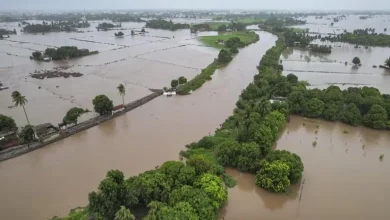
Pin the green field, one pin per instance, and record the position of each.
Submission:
(246, 37)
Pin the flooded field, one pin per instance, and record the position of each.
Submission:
(59, 177)
(139, 62)
(343, 176)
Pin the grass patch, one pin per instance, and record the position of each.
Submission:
(246, 37)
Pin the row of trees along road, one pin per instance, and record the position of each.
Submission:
(102, 105)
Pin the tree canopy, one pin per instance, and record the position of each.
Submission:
(27, 134)
(356, 60)
(376, 117)
(387, 62)
(102, 105)
(224, 56)
(273, 176)
(7, 124)
(72, 115)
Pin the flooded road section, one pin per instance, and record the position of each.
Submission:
(139, 62)
(52, 180)
(343, 176)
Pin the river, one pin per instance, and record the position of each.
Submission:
(52, 180)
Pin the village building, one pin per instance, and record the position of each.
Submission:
(44, 131)
(118, 108)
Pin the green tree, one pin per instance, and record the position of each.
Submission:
(124, 214)
(180, 211)
(356, 61)
(20, 100)
(273, 176)
(37, 55)
(351, 115)
(314, 108)
(387, 62)
(197, 198)
(224, 56)
(376, 117)
(122, 91)
(292, 160)
(222, 28)
(27, 134)
(72, 115)
(132, 33)
(102, 105)
(113, 192)
(331, 112)
(293, 79)
(201, 164)
(7, 124)
(214, 188)
(233, 50)
(182, 80)
(296, 102)
(174, 83)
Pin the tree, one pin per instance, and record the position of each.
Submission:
(376, 117)
(124, 214)
(293, 79)
(102, 105)
(273, 176)
(201, 164)
(331, 112)
(174, 83)
(132, 33)
(72, 115)
(122, 92)
(113, 192)
(119, 34)
(387, 62)
(351, 115)
(224, 56)
(314, 108)
(233, 50)
(296, 102)
(214, 188)
(143, 30)
(182, 80)
(20, 100)
(7, 124)
(27, 134)
(37, 55)
(292, 160)
(221, 28)
(356, 61)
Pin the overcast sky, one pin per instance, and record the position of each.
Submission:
(195, 4)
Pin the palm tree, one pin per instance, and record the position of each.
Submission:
(122, 92)
(387, 62)
(19, 100)
(124, 214)
(154, 207)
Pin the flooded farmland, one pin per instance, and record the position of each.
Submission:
(59, 177)
(343, 176)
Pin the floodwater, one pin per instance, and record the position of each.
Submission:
(52, 180)
(322, 70)
(138, 62)
(342, 179)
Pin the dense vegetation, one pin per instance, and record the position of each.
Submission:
(166, 25)
(365, 37)
(219, 26)
(352, 106)
(107, 26)
(102, 105)
(6, 32)
(320, 48)
(7, 124)
(61, 53)
(176, 190)
(55, 26)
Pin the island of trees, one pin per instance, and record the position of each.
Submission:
(365, 37)
(6, 32)
(107, 26)
(55, 26)
(61, 53)
(166, 25)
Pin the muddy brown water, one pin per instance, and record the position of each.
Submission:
(52, 180)
(342, 180)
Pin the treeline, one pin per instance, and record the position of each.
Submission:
(6, 32)
(55, 26)
(320, 48)
(166, 25)
(106, 26)
(177, 190)
(61, 53)
(354, 106)
(232, 26)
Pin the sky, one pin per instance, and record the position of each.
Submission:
(195, 4)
